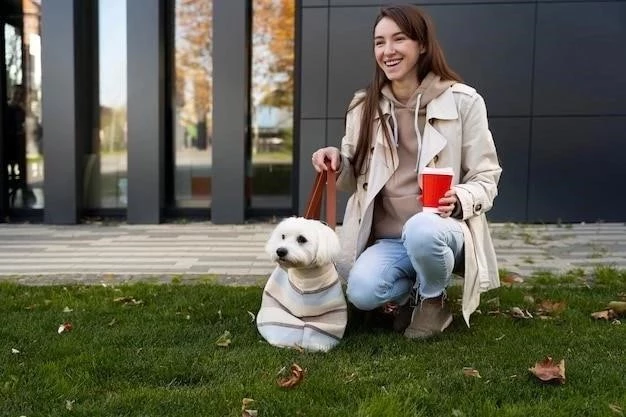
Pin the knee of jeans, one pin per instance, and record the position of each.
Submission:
(362, 295)
(421, 234)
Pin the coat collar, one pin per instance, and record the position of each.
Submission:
(442, 107)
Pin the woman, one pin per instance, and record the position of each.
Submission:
(415, 113)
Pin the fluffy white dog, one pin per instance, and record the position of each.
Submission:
(303, 304)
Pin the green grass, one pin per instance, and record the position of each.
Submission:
(159, 358)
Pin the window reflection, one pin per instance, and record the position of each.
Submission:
(22, 141)
(193, 127)
(106, 169)
(272, 103)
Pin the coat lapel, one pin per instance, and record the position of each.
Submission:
(440, 108)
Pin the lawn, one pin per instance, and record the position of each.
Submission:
(157, 356)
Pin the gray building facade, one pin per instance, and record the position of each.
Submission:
(551, 72)
(552, 75)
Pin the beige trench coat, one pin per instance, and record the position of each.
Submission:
(456, 135)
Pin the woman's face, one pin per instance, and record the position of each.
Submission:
(396, 54)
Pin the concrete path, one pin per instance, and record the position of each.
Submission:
(43, 254)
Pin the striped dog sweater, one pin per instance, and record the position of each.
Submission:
(303, 308)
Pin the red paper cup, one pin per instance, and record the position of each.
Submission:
(435, 183)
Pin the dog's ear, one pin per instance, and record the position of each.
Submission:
(328, 246)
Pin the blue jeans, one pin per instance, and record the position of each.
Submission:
(423, 258)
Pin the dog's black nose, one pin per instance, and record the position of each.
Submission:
(281, 252)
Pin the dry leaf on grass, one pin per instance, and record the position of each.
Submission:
(67, 310)
(616, 409)
(607, 314)
(512, 278)
(69, 405)
(252, 316)
(127, 300)
(518, 313)
(549, 371)
(551, 307)
(15, 351)
(245, 410)
(619, 307)
(296, 376)
(224, 340)
(471, 372)
(65, 327)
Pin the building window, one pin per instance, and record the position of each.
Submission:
(106, 173)
(272, 86)
(193, 106)
(23, 136)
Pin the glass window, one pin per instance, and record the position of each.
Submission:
(272, 103)
(106, 172)
(193, 127)
(22, 141)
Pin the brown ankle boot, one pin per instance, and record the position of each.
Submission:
(430, 317)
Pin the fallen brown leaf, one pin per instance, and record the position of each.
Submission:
(296, 376)
(65, 327)
(551, 307)
(512, 278)
(224, 340)
(616, 409)
(245, 411)
(607, 314)
(471, 372)
(619, 307)
(518, 313)
(127, 300)
(549, 371)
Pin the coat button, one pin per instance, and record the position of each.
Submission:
(436, 158)
(478, 207)
(365, 186)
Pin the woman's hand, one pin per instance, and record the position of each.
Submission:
(320, 157)
(447, 203)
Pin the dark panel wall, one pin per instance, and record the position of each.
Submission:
(146, 103)
(61, 110)
(551, 73)
(231, 85)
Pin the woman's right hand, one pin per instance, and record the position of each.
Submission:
(322, 155)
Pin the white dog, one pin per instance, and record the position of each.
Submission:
(303, 304)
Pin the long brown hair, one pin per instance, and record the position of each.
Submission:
(418, 26)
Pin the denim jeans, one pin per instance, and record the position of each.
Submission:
(423, 258)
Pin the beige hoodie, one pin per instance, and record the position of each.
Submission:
(397, 201)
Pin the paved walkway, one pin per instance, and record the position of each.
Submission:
(43, 254)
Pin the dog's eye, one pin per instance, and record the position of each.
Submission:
(283, 236)
(301, 240)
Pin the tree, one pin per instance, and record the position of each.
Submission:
(194, 64)
(273, 39)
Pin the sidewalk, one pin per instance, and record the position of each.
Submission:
(233, 254)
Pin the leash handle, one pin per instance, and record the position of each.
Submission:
(325, 179)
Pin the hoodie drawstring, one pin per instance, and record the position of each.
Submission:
(417, 132)
(394, 123)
